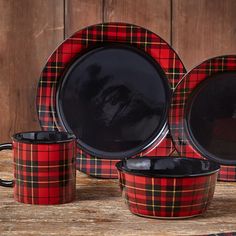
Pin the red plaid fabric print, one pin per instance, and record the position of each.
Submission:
(167, 197)
(180, 97)
(96, 35)
(227, 173)
(165, 148)
(44, 173)
(105, 168)
(96, 167)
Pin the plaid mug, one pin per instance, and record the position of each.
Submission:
(44, 167)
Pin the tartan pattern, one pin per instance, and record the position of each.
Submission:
(180, 97)
(165, 148)
(105, 168)
(44, 173)
(167, 197)
(227, 173)
(96, 167)
(91, 36)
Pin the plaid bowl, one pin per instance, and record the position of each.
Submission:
(167, 187)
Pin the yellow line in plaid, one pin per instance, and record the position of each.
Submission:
(114, 175)
(96, 40)
(44, 182)
(119, 26)
(209, 70)
(18, 164)
(166, 191)
(48, 81)
(164, 206)
(171, 73)
(173, 198)
(49, 126)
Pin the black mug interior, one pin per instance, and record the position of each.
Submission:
(168, 166)
(43, 137)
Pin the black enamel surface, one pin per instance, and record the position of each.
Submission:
(168, 166)
(114, 99)
(211, 117)
(43, 137)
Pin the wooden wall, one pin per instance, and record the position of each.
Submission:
(31, 29)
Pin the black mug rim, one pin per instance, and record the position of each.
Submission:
(59, 137)
(148, 173)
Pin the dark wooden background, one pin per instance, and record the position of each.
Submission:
(31, 29)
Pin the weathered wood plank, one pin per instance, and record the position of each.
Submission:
(82, 13)
(100, 210)
(151, 14)
(203, 29)
(29, 32)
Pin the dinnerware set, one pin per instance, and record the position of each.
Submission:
(114, 101)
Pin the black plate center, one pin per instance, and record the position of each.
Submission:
(211, 117)
(114, 99)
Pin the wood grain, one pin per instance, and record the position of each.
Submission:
(100, 210)
(152, 14)
(29, 31)
(203, 29)
(82, 13)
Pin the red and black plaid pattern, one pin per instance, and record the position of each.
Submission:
(44, 173)
(165, 148)
(227, 173)
(105, 168)
(179, 101)
(89, 37)
(96, 167)
(167, 197)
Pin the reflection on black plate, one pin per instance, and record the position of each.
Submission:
(114, 98)
(211, 116)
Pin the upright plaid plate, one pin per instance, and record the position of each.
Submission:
(214, 136)
(85, 39)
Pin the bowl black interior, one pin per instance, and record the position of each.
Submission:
(168, 166)
(43, 137)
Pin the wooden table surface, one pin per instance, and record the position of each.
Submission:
(100, 210)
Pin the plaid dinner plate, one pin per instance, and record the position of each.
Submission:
(85, 39)
(185, 139)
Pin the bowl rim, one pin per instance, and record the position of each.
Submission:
(144, 173)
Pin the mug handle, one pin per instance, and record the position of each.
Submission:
(6, 183)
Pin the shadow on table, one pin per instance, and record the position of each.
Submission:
(222, 207)
(96, 193)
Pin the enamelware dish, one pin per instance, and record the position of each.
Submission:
(202, 116)
(167, 187)
(105, 84)
(44, 167)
